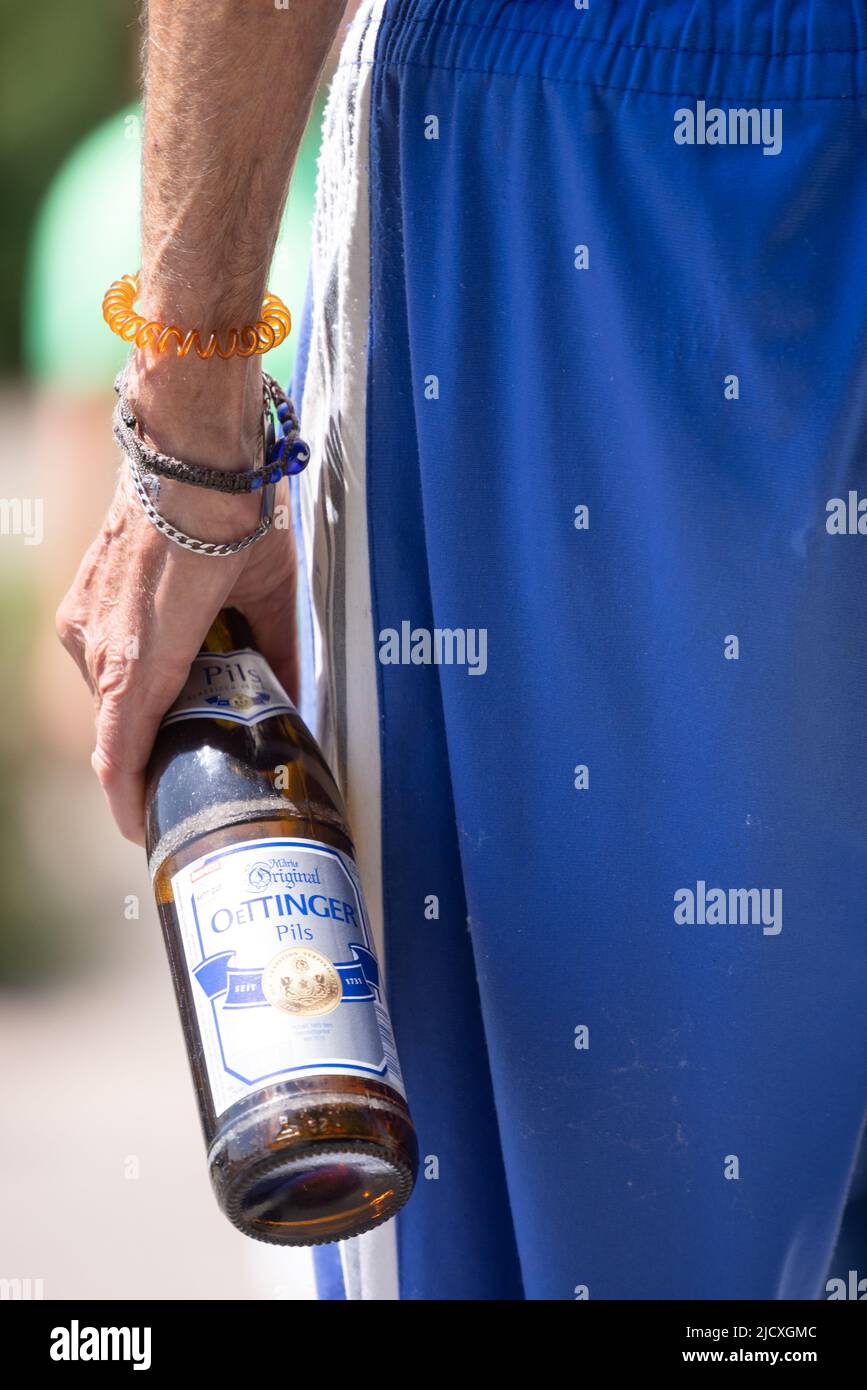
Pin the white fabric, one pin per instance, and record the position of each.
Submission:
(334, 513)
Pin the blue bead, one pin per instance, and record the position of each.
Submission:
(278, 451)
(283, 411)
(255, 482)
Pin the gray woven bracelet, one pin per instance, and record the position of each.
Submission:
(285, 454)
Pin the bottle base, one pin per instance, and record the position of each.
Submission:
(330, 1191)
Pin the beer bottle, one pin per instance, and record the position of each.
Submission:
(281, 1000)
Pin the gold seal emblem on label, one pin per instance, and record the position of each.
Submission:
(300, 980)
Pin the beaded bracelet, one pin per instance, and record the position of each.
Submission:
(284, 454)
(250, 341)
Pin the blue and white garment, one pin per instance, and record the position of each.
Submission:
(584, 371)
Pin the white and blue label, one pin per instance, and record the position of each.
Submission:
(239, 686)
(282, 967)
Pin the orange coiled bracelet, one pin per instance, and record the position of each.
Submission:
(255, 338)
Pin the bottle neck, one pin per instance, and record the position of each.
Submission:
(229, 632)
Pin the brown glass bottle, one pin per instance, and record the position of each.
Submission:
(308, 1133)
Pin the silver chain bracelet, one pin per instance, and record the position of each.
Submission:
(199, 547)
(285, 454)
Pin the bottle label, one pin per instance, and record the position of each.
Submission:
(282, 967)
(239, 686)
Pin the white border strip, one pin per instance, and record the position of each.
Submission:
(333, 495)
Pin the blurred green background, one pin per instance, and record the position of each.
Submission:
(87, 1014)
(48, 101)
(70, 133)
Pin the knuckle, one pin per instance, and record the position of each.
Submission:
(105, 768)
(110, 670)
(66, 625)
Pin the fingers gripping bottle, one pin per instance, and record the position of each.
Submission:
(293, 1058)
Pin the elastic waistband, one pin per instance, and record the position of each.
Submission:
(725, 50)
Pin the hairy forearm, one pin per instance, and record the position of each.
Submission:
(229, 85)
(228, 90)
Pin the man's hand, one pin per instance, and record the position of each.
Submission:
(139, 608)
(227, 95)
